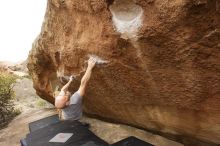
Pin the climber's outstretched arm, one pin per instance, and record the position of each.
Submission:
(65, 87)
(86, 77)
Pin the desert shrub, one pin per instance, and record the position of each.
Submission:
(41, 103)
(27, 76)
(7, 110)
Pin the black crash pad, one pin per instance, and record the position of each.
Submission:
(132, 141)
(43, 123)
(82, 136)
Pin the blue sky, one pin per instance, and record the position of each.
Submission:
(20, 24)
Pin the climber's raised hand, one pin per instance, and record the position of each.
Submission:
(71, 78)
(91, 63)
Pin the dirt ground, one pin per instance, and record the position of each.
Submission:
(33, 109)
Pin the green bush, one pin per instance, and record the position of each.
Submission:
(41, 103)
(7, 110)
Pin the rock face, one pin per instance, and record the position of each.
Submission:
(164, 61)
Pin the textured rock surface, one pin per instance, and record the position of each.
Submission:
(163, 75)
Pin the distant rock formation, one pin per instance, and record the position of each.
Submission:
(164, 69)
(19, 68)
(4, 65)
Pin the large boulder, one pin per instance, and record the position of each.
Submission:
(163, 71)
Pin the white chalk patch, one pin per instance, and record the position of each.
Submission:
(98, 59)
(127, 18)
(61, 137)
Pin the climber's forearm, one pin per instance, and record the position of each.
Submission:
(65, 87)
(86, 77)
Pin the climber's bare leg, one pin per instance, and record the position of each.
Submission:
(86, 77)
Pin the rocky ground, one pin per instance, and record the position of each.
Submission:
(33, 108)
